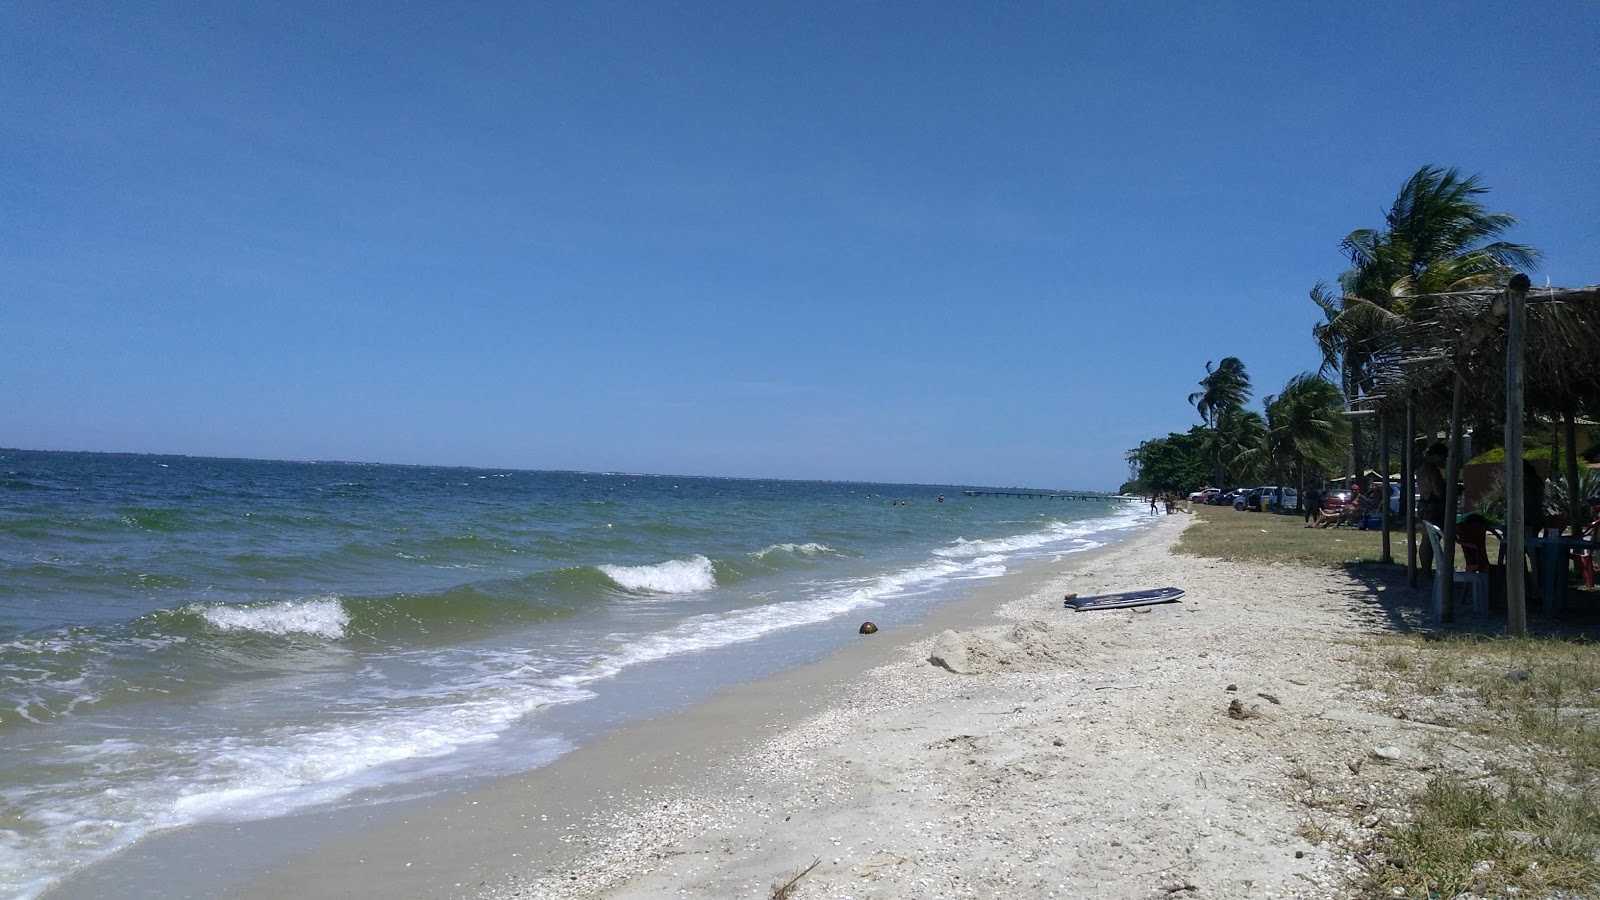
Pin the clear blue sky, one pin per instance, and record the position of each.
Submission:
(940, 242)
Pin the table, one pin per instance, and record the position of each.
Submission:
(1553, 566)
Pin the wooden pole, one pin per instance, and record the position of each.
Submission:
(1383, 464)
(1408, 462)
(1444, 572)
(1516, 549)
(1570, 457)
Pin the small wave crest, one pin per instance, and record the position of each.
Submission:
(1055, 532)
(677, 576)
(320, 616)
(806, 549)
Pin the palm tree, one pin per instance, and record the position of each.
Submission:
(1237, 432)
(1438, 237)
(1305, 424)
(1226, 386)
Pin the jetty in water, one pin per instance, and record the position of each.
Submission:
(1043, 495)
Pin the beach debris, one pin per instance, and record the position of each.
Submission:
(1071, 596)
(1231, 687)
(1390, 753)
(1176, 886)
(1269, 698)
(1237, 710)
(1517, 675)
(867, 628)
(783, 890)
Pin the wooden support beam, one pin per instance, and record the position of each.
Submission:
(1407, 488)
(1516, 549)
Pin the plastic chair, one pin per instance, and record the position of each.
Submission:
(1477, 582)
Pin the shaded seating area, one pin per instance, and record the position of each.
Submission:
(1476, 582)
(1491, 361)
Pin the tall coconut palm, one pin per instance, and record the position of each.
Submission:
(1226, 386)
(1437, 237)
(1305, 424)
(1227, 445)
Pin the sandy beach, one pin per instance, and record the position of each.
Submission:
(1069, 754)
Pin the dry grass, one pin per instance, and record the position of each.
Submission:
(1533, 825)
(1526, 826)
(1224, 533)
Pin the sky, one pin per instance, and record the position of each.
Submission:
(968, 243)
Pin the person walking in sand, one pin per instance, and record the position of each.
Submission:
(1430, 490)
(1153, 510)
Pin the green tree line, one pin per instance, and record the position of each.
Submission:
(1436, 237)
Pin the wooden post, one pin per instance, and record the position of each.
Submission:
(1516, 549)
(1409, 465)
(1570, 457)
(1383, 464)
(1444, 571)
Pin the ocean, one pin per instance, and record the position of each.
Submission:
(188, 640)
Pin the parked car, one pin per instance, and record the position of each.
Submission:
(1204, 496)
(1235, 497)
(1284, 499)
(1269, 498)
(1334, 503)
(1224, 498)
(1251, 500)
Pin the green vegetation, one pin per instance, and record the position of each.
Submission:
(1437, 236)
(1299, 434)
(1530, 825)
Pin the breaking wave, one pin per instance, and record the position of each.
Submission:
(323, 617)
(677, 576)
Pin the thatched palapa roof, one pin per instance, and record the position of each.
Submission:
(1467, 329)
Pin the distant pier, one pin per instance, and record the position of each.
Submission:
(1043, 495)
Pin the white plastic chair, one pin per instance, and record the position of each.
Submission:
(1477, 582)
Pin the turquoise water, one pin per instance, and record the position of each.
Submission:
(186, 640)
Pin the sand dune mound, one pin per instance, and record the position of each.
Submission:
(1026, 647)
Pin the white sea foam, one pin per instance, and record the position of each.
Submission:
(677, 576)
(807, 549)
(234, 777)
(321, 616)
(1044, 539)
(710, 631)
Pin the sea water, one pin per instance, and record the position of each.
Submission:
(187, 640)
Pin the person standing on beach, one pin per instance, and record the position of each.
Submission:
(1430, 490)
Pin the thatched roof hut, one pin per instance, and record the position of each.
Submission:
(1468, 329)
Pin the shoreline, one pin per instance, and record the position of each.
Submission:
(1079, 754)
(462, 838)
